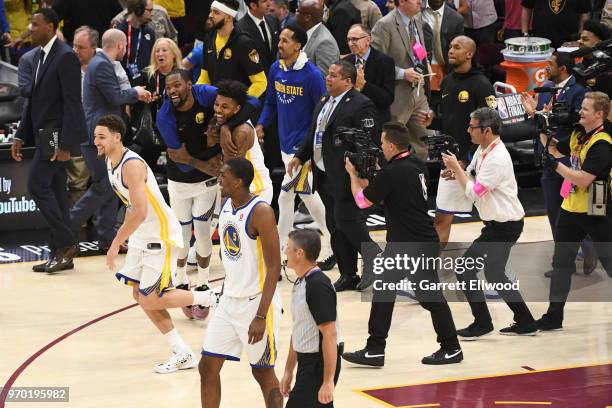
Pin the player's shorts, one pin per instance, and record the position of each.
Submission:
(301, 182)
(193, 201)
(228, 331)
(451, 198)
(153, 270)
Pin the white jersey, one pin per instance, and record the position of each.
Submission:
(261, 179)
(160, 225)
(241, 253)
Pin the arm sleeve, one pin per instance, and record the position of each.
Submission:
(487, 179)
(258, 84)
(563, 147)
(268, 113)
(106, 83)
(327, 54)
(598, 158)
(382, 94)
(195, 56)
(204, 79)
(321, 300)
(379, 188)
(166, 124)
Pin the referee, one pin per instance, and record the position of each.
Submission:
(313, 346)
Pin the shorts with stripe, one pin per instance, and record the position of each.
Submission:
(451, 198)
(301, 182)
(153, 270)
(228, 331)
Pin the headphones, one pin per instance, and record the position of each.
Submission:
(139, 9)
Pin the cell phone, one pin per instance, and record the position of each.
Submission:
(154, 245)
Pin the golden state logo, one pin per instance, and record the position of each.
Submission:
(231, 241)
(287, 93)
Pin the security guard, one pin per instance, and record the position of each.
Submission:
(586, 180)
(229, 53)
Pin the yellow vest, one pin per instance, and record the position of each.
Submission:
(175, 8)
(577, 202)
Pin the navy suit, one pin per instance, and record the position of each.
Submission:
(54, 101)
(101, 96)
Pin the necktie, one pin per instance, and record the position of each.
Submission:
(437, 42)
(40, 64)
(262, 25)
(318, 147)
(412, 30)
(360, 63)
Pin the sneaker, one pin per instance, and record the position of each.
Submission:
(328, 263)
(444, 357)
(177, 361)
(187, 310)
(474, 331)
(545, 323)
(365, 357)
(520, 330)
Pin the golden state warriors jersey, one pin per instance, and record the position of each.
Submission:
(241, 253)
(261, 179)
(160, 225)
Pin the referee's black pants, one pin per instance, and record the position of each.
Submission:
(571, 230)
(383, 303)
(308, 381)
(495, 241)
(346, 225)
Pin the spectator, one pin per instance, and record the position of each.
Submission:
(479, 20)
(280, 9)
(176, 11)
(76, 13)
(593, 34)
(140, 38)
(370, 13)
(557, 21)
(263, 30)
(321, 47)
(342, 15)
(160, 21)
(606, 14)
(512, 21)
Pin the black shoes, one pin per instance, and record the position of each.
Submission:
(545, 323)
(520, 330)
(328, 263)
(442, 356)
(365, 357)
(366, 281)
(60, 261)
(346, 282)
(474, 331)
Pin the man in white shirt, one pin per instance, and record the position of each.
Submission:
(489, 181)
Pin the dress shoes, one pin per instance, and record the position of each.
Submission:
(346, 282)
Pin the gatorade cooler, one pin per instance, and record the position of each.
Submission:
(525, 62)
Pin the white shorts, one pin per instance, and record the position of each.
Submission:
(451, 198)
(193, 201)
(228, 331)
(301, 182)
(153, 270)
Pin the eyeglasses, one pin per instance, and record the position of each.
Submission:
(354, 39)
(476, 127)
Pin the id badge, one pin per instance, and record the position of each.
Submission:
(575, 165)
(134, 71)
(318, 139)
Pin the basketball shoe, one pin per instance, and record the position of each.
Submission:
(179, 360)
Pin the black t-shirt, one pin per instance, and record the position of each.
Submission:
(598, 161)
(138, 54)
(402, 189)
(191, 127)
(320, 298)
(556, 20)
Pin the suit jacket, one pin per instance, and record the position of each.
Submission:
(322, 49)
(380, 82)
(342, 15)
(389, 36)
(450, 27)
(354, 111)
(572, 95)
(55, 100)
(25, 72)
(267, 56)
(101, 92)
(289, 20)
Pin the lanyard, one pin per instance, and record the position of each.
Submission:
(400, 156)
(157, 85)
(310, 272)
(575, 157)
(129, 43)
(488, 150)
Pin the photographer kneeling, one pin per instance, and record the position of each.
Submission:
(586, 205)
(402, 186)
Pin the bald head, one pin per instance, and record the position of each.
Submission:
(112, 37)
(460, 53)
(467, 43)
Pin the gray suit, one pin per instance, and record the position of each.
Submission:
(101, 96)
(322, 49)
(390, 37)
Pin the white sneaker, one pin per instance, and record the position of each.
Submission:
(177, 361)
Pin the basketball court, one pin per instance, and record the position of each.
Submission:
(80, 329)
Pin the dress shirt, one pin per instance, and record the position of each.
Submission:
(337, 100)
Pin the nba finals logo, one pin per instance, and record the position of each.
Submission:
(231, 242)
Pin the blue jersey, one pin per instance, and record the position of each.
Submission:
(292, 95)
(195, 58)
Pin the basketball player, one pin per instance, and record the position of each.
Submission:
(231, 97)
(249, 310)
(154, 237)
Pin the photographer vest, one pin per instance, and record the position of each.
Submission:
(577, 201)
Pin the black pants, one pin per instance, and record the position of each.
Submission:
(346, 225)
(496, 240)
(571, 230)
(383, 303)
(483, 35)
(308, 380)
(47, 184)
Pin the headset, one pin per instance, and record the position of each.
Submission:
(139, 9)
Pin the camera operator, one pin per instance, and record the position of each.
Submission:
(571, 95)
(592, 34)
(342, 107)
(590, 153)
(402, 186)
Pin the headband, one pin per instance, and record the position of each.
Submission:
(223, 8)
